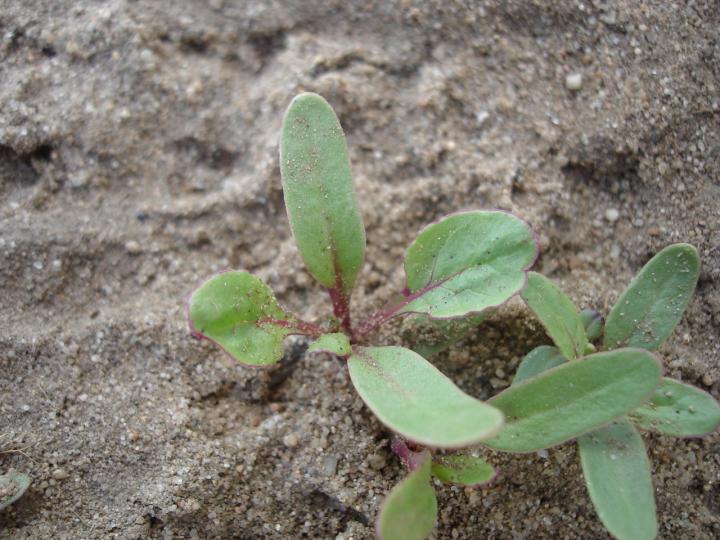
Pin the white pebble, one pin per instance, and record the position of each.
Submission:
(290, 440)
(612, 214)
(573, 81)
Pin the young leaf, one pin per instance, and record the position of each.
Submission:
(558, 315)
(12, 486)
(651, 306)
(678, 409)
(466, 263)
(462, 469)
(239, 313)
(337, 344)
(538, 360)
(410, 396)
(618, 479)
(593, 323)
(573, 398)
(319, 195)
(410, 509)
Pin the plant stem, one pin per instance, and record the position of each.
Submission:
(341, 309)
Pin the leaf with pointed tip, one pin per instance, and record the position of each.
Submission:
(652, 305)
(12, 486)
(618, 479)
(573, 398)
(239, 313)
(319, 195)
(337, 344)
(538, 360)
(558, 315)
(409, 512)
(593, 322)
(678, 409)
(462, 469)
(467, 263)
(414, 399)
(435, 335)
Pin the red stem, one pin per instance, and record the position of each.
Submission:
(341, 309)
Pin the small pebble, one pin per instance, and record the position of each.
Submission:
(133, 247)
(377, 461)
(60, 474)
(707, 380)
(612, 214)
(290, 440)
(573, 81)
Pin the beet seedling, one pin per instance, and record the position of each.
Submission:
(613, 457)
(463, 265)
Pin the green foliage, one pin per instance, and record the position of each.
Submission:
(336, 343)
(678, 409)
(239, 313)
(593, 322)
(12, 486)
(573, 398)
(618, 479)
(410, 509)
(463, 470)
(413, 398)
(652, 305)
(467, 263)
(615, 465)
(538, 360)
(558, 314)
(319, 195)
(464, 265)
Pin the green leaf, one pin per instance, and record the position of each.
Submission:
(239, 313)
(593, 323)
(678, 409)
(410, 396)
(409, 512)
(432, 336)
(538, 360)
(652, 305)
(467, 263)
(462, 469)
(337, 344)
(12, 486)
(618, 479)
(573, 398)
(558, 315)
(319, 195)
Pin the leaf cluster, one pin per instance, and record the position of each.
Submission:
(458, 271)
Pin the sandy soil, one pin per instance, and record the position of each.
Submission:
(138, 155)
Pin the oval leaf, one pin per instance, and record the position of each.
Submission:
(12, 486)
(678, 409)
(462, 469)
(337, 344)
(239, 313)
(410, 396)
(618, 479)
(466, 263)
(651, 306)
(558, 315)
(319, 195)
(538, 360)
(410, 510)
(569, 400)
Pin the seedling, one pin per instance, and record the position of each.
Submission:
(614, 461)
(463, 265)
